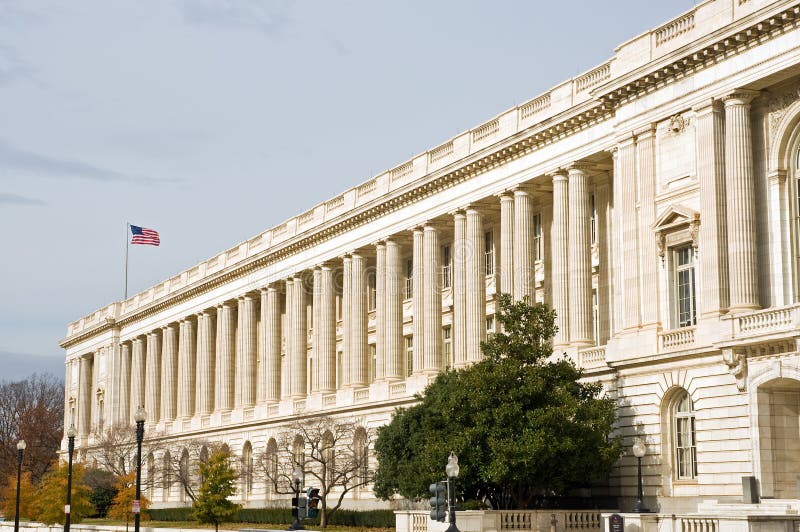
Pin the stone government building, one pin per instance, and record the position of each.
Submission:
(652, 201)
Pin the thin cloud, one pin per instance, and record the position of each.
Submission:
(14, 161)
(268, 17)
(13, 67)
(15, 199)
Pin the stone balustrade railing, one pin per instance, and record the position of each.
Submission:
(501, 520)
(629, 57)
(592, 357)
(676, 339)
(768, 321)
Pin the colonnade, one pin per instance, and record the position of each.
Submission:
(314, 331)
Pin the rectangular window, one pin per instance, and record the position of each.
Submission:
(537, 237)
(447, 267)
(593, 219)
(409, 355)
(372, 292)
(488, 241)
(338, 370)
(685, 286)
(409, 278)
(490, 324)
(595, 318)
(447, 347)
(372, 362)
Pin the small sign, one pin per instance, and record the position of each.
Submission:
(616, 523)
(136, 507)
(66, 508)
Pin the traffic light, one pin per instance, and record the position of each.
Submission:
(302, 507)
(313, 502)
(438, 501)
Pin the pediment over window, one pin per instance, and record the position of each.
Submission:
(675, 216)
(676, 225)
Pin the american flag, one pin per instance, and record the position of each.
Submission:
(143, 235)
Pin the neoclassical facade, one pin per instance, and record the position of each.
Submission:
(652, 201)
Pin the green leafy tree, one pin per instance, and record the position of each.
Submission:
(122, 506)
(101, 483)
(218, 475)
(523, 425)
(48, 507)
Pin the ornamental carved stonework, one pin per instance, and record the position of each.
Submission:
(678, 124)
(737, 366)
(778, 103)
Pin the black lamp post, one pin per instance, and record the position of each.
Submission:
(139, 417)
(639, 450)
(70, 451)
(452, 470)
(297, 477)
(20, 449)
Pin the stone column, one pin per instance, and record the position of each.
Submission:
(710, 147)
(316, 318)
(206, 363)
(648, 253)
(85, 392)
(615, 247)
(380, 311)
(507, 243)
(347, 324)
(169, 372)
(137, 375)
(186, 365)
(326, 354)
(523, 235)
(299, 346)
(741, 206)
(560, 267)
(432, 297)
(271, 317)
(247, 349)
(580, 259)
(124, 383)
(152, 399)
(476, 284)
(395, 286)
(604, 243)
(625, 180)
(462, 252)
(418, 301)
(226, 347)
(358, 329)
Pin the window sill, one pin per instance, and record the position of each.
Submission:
(684, 482)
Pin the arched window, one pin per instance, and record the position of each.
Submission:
(185, 481)
(299, 452)
(328, 457)
(247, 469)
(361, 453)
(271, 465)
(166, 476)
(151, 475)
(203, 460)
(684, 444)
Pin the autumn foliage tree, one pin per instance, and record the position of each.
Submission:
(26, 496)
(212, 504)
(121, 507)
(48, 506)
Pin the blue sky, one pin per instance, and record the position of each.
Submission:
(200, 118)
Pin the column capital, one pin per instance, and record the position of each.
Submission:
(505, 195)
(579, 167)
(706, 106)
(626, 139)
(739, 97)
(558, 175)
(645, 132)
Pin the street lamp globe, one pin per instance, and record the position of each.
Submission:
(140, 415)
(297, 474)
(71, 432)
(21, 445)
(452, 468)
(639, 448)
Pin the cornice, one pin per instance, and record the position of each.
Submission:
(723, 43)
(607, 98)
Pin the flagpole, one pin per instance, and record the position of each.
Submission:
(127, 245)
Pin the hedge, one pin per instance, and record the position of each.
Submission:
(278, 516)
